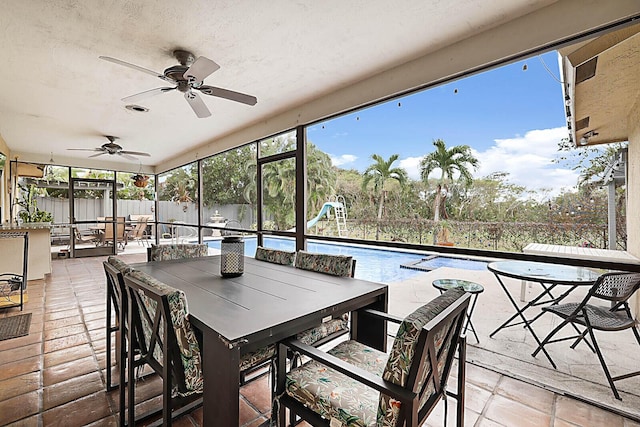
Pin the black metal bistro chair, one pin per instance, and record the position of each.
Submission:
(353, 384)
(614, 287)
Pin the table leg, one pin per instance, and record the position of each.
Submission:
(520, 313)
(469, 313)
(220, 368)
(373, 332)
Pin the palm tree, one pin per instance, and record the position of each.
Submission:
(452, 161)
(380, 172)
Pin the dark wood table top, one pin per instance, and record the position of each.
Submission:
(259, 305)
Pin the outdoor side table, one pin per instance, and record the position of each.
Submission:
(470, 287)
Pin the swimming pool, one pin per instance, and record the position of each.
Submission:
(377, 265)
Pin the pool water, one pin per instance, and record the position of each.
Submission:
(376, 265)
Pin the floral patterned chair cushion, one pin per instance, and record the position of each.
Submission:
(335, 395)
(185, 336)
(404, 347)
(177, 251)
(275, 256)
(336, 265)
(122, 266)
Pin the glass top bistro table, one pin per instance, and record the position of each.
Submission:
(266, 304)
(549, 276)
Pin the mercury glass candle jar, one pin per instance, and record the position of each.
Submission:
(232, 256)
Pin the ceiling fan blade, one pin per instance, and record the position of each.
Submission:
(84, 149)
(200, 69)
(197, 104)
(99, 154)
(147, 94)
(135, 153)
(137, 67)
(228, 94)
(126, 156)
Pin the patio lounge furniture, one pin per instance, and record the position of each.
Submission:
(109, 233)
(355, 385)
(176, 251)
(335, 265)
(139, 230)
(614, 287)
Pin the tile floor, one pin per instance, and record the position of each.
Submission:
(56, 374)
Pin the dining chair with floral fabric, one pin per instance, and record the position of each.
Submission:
(355, 385)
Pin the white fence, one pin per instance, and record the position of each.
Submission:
(90, 209)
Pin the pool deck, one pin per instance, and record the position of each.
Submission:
(579, 373)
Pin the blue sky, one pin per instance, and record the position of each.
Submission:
(510, 117)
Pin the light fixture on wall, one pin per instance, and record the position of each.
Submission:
(585, 138)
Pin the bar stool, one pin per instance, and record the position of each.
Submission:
(470, 287)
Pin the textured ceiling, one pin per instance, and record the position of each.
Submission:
(56, 94)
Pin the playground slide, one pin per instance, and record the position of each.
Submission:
(325, 208)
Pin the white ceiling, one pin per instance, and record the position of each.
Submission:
(56, 94)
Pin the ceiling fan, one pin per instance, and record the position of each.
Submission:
(187, 77)
(112, 148)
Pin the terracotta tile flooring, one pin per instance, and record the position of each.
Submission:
(56, 374)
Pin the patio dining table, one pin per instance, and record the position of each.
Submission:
(548, 276)
(266, 304)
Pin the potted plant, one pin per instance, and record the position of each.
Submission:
(30, 211)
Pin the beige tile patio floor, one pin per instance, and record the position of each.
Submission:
(56, 374)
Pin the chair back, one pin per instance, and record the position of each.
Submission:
(168, 341)
(422, 355)
(615, 286)
(336, 265)
(177, 251)
(275, 256)
(115, 269)
(119, 230)
(140, 229)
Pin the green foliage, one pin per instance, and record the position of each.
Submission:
(379, 173)
(180, 185)
(29, 211)
(225, 176)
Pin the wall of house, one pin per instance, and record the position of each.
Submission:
(633, 189)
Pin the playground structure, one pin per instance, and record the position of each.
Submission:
(337, 203)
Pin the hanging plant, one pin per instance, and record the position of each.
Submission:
(140, 180)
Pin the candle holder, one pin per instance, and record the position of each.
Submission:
(232, 258)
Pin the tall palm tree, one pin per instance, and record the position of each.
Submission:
(379, 173)
(452, 161)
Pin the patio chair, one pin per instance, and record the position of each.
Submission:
(356, 385)
(176, 251)
(336, 265)
(139, 232)
(80, 238)
(275, 256)
(114, 269)
(614, 287)
(107, 235)
(169, 345)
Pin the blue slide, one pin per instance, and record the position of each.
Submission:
(325, 208)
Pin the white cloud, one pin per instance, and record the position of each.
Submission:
(342, 160)
(412, 166)
(528, 160)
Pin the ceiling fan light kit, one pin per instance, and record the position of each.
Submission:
(187, 77)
